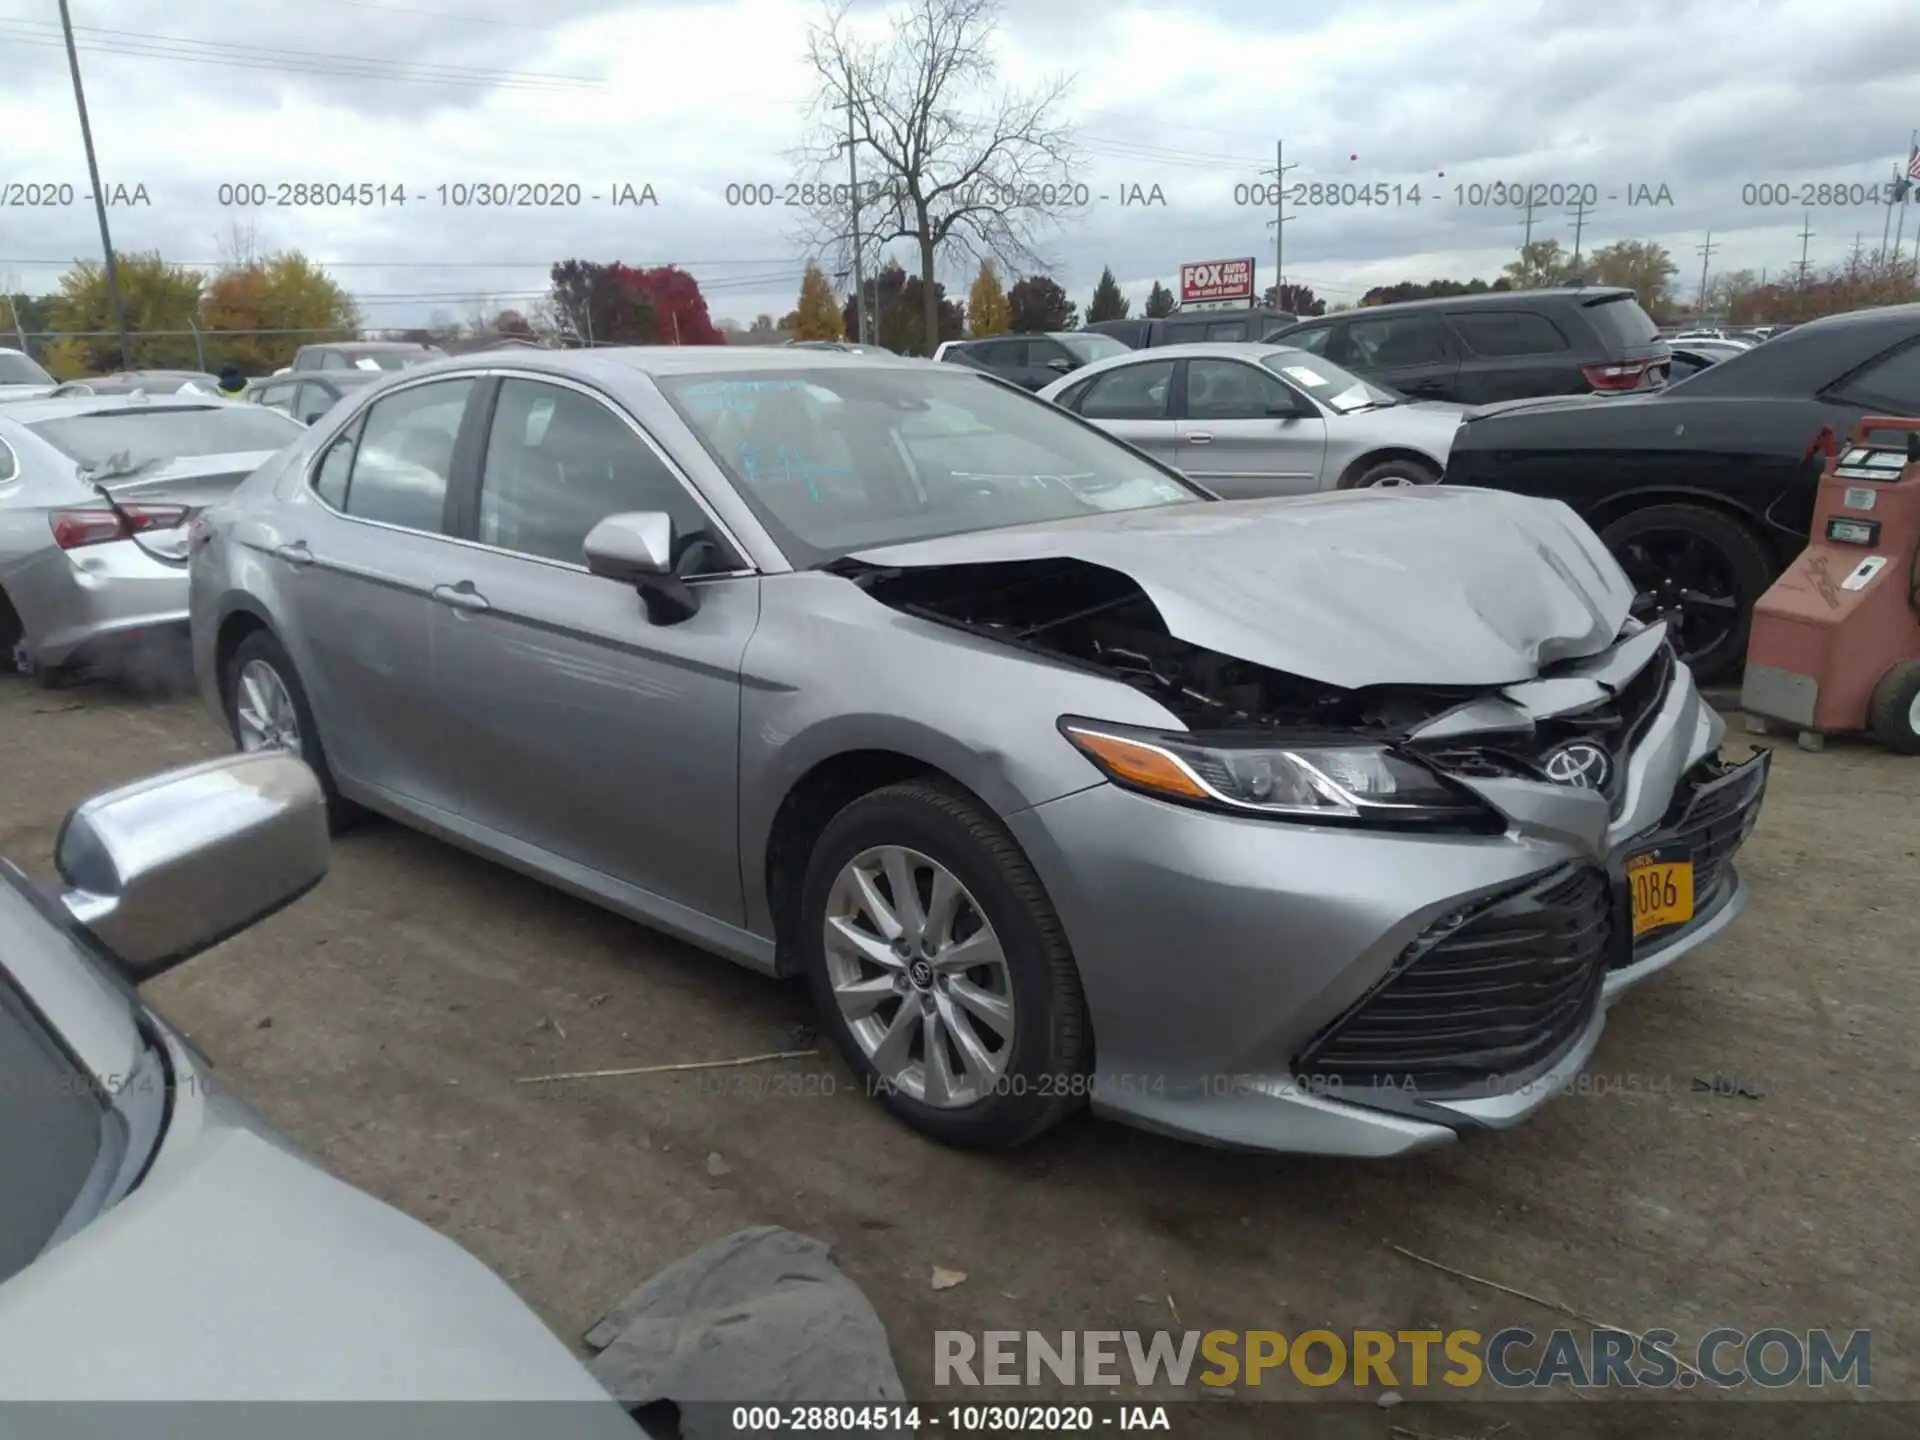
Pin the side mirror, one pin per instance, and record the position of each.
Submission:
(636, 548)
(1063, 366)
(166, 867)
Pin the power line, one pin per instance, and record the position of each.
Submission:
(294, 62)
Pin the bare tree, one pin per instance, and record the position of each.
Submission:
(240, 246)
(942, 164)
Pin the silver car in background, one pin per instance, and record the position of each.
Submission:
(1247, 420)
(95, 496)
(135, 1191)
(1324, 824)
(22, 377)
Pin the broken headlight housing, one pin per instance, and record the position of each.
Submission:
(1324, 780)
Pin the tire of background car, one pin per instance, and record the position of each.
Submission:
(263, 648)
(1045, 1077)
(1743, 553)
(1894, 716)
(1391, 472)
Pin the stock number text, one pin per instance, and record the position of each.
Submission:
(1816, 195)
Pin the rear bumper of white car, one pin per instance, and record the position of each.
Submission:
(82, 604)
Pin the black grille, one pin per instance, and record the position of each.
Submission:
(1493, 992)
(1617, 726)
(1709, 817)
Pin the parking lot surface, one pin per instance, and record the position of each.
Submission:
(1745, 1151)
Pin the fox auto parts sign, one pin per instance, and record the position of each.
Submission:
(1216, 280)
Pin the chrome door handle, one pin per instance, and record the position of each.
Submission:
(1197, 437)
(296, 553)
(461, 597)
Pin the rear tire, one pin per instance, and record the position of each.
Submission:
(1712, 651)
(1386, 473)
(1040, 1073)
(262, 655)
(1894, 716)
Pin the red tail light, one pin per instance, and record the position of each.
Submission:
(73, 529)
(1615, 377)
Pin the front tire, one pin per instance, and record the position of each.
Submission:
(266, 709)
(1701, 570)
(1894, 716)
(941, 970)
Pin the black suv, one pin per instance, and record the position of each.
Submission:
(1032, 361)
(1191, 326)
(1502, 345)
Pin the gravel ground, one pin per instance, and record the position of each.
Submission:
(384, 1019)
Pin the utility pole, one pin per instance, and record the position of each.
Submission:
(1279, 221)
(1705, 252)
(1895, 193)
(1806, 234)
(1579, 215)
(859, 277)
(99, 191)
(1526, 237)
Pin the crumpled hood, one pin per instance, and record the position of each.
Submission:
(1415, 585)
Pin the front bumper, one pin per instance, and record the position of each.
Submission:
(81, 604)
(1275, 986)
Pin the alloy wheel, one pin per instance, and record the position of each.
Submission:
(1684, 579)
(919, 976)
(263, 711)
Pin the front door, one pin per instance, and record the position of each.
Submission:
(357, 563)
(1243, 434)
(1133, 402)
(584, 729)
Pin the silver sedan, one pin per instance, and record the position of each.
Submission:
(1254, 420)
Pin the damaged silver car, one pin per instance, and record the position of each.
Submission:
(1325, 824)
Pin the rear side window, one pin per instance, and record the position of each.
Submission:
(1621, 323)
(1890, 383)
(1508, 332)
(314, 401)
(1312, 339)
(1001, 352)
(1130, 392)
(404, 461)
(1415, 339)
(1227, 330)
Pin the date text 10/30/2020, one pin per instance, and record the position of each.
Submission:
(451, 195)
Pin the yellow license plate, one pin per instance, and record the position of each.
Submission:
(1662, 888)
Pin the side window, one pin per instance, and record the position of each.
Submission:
(1045, 352)
(1397, 340)
(1130, 392)
(1227, 330)
(405, 456)
(1003, 354)
(1070, 398)
(1229, 390)
(559, 462)
(314, 401)
(1890, 383)
(330, 478)
(1310, 338)
(333, 360)
(1507, 332)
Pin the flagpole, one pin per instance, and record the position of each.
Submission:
(1894, 191)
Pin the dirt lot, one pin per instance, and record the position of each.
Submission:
(383, 1020)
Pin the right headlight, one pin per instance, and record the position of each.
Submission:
(1320, 780)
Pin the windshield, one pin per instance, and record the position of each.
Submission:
(1339, 390)
(1088, 348)
(17, 369)
(157, 436)
(834, 461)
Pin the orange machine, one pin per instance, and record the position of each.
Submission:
(1835, 647)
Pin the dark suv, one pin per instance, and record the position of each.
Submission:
(1503, 345)
(1187, 327)
(1031, 361)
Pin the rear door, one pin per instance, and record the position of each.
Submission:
(1512, 354)
(364, 546)
(1134, 402)
(1410, 352)
(1244, 434)
(581, 727)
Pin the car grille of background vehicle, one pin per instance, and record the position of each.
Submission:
(1491, 992)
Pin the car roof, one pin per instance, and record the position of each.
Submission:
(370, 345)
(612, 365)
(29, 412)
(1580, 294)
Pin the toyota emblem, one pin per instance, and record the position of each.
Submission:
(1582, 765)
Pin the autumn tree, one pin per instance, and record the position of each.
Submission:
(1160, 302)
(595, 304)
(1540, 264)
(948, 160)
(156, 296)
(1294, 299)
(1430, 290)
(987, 312)
(285, 293)
(899, 310)
(1107, 302)
(1037, 305)
(817, 316)
(1642, 266)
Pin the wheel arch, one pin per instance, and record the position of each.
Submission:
(1358, 467)
(1605, 512)
(240, 620)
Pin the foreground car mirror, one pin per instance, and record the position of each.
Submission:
(636, 549)
(166, 867)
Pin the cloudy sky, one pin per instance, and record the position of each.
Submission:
(1729, 106)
